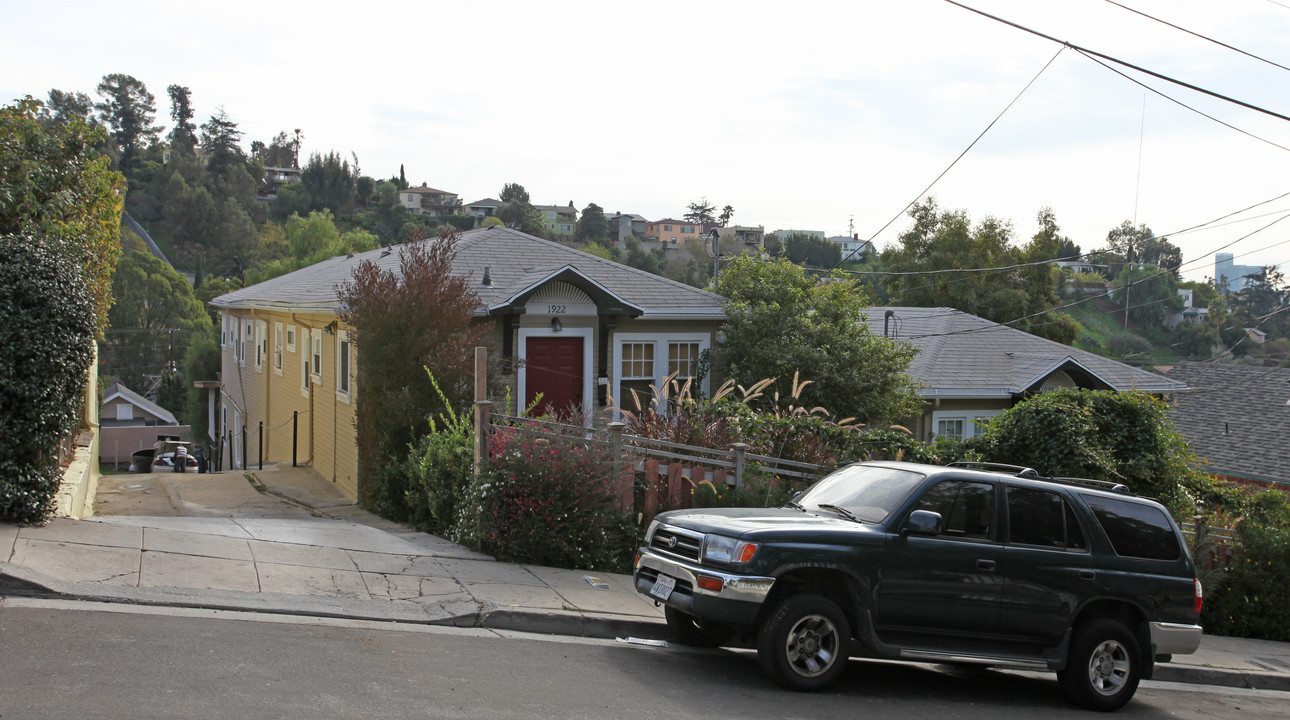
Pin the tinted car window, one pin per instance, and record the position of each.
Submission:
(966, 508)
(869, 491)
(1135, 530)
(1040, 517)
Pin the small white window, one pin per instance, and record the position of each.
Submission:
(261, 344)
(125, 411)
(638, 361)
(305, 359)
(291, 338)
(682, 359)
(316, 370)
(277, 347)
(344, 349)
(950, 427)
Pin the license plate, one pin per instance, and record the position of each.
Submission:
(663, 587)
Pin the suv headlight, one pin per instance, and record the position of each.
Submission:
(719, 548)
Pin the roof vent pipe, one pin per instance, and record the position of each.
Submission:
(886, 322)
(488, 277)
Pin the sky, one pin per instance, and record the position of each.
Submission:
(828, 116)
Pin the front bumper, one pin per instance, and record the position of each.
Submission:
(738, 601)
(1175, 638)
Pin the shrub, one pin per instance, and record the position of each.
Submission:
(440, 469)
(1119, 437)
(546, 503)
(47, 327)
(1251, 598)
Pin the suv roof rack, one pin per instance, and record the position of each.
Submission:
(1031, 474)
(1018, 470)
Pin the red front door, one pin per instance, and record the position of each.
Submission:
(554, 369)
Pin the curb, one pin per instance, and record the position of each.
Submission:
(1224, 678)
(17, 581)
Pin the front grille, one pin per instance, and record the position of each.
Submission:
(677, 542)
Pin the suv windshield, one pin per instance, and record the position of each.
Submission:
(867, 491)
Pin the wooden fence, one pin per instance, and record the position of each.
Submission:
(651, 475)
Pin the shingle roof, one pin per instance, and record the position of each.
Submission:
(962, 355)
(424, 189)
(515, 261)
(116, 390)
(487, 202)
(1237, 417)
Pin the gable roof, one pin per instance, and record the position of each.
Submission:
(965, 356)
(117, 390)
(1237, 417)
(516, 263)
(487, 202)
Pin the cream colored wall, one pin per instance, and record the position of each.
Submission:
(325, 438)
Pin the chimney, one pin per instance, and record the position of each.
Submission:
(855, 236)
(488, 277)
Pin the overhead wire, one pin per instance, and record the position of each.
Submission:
(1125, 63)
(1196, 34)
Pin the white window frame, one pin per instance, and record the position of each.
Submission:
(344, 366)
(304, 362)
(125, 411)
(261, 344)
(316, 356)
(661, 342)
(972, 425)
(278, 332)
(291, 338)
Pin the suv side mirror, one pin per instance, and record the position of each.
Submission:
(924, 522)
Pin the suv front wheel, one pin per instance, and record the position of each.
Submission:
(1103, 671)
(804, 642)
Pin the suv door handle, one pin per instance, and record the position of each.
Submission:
(985, 565)
(1087, 575)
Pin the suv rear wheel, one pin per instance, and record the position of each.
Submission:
(804, 642)
(1103, 669)
(694, 632)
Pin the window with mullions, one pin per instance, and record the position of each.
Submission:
(638, 361)
(683, 360)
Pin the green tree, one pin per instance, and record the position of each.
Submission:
(55, 186)
(127, 109)
(65, 105)
(329, 182)
(1150, 293)
(280, 152)
(651, 261)
(154, 320)
(701, 212)
(812, 251)
(221, 143)
(782, 322)
(202, 361)
(183, 136)
(727, 214)
(592, 226)
(513, 193)
(948, 241)
(1140, 245)
(404, 323)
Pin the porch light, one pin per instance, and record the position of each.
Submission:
(556, 326)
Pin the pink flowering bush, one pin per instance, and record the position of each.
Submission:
(547, 502)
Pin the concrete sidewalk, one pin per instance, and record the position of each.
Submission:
(287, 541)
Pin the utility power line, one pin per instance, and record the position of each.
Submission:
(1117, 61)
(1195, 34)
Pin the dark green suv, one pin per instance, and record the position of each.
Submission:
(974, 564)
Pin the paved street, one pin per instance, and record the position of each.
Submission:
(273, 596)
(65, 661)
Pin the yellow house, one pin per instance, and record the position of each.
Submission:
(576, 328)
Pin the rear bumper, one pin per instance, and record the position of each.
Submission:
(1175, 638)
(738, 601)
